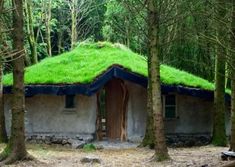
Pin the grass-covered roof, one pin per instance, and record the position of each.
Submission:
(89, 60)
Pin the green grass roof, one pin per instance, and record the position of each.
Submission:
(87, 61)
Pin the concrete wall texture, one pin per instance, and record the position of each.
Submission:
(46, 115)
(137, 112)
(194, 115)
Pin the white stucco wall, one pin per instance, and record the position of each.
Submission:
(137, 112)
(194, 115)
(46, 114)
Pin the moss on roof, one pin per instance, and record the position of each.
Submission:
(89, 60)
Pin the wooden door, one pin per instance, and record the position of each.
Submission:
(116, 98)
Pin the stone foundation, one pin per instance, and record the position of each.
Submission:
(188, 140)
(80, 140)
(74, 141)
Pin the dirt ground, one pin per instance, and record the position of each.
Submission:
(58, 156)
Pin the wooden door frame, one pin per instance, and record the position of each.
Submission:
(125, 99)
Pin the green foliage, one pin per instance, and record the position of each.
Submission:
(182, 31)
(89, 60)
(89, 147)
(125, 26)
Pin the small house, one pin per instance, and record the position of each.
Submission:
(98, 91)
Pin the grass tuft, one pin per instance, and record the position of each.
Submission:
(89, 147)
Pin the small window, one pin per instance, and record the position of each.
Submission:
(70, 101)
(170, 106)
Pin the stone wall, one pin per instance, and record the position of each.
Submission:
(188, 140)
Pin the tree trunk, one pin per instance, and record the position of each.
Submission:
(15, 149)
(232, 141)
(149, 137)
(3, 134)
(74, 23)
(219, 135)
(48, 27)
(149, 133)
(30, 31)
(208, 59)
(60, 30)
(161, 152)
(59, 41)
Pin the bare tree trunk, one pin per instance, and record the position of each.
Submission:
(232, 141)
(59, 41)
(127, 30)
(3, 134)
(48, 27)
(149, 133)
(16, 149)
(30, 31)
(219, 135)
(161, 152)
(74, 15)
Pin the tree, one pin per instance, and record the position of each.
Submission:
(219, 135)
(61, 26)
(161, 152)
(232, 67)
(3, 134)
(133, 15)
(74, 15)
(30, 30)
(47, 8)
(16, 149)
(82, 23)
